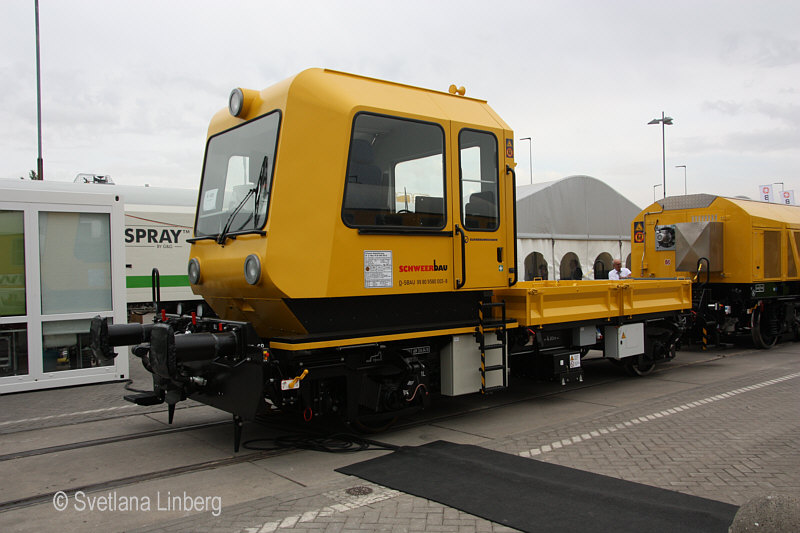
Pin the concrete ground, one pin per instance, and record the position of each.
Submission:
(720, 424)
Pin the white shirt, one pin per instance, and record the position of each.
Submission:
(619, 274)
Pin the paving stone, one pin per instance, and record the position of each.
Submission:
(730, 449)
(732, 441)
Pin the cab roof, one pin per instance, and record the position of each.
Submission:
(345, 94)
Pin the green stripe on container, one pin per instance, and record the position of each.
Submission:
(145, 282)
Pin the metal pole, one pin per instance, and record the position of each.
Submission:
(39, 161)
(663, 120)
(684, 177)
(663, 158)
(530, 155)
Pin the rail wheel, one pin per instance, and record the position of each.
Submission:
(641, 365)
(758, 329)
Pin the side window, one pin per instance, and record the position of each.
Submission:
(772, 254)
(793, 235)
(479, 180)
(395, 174)
(75, 262)
(12, 267)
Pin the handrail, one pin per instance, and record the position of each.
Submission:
(513, 269)
(460, 283)
(700, 270)
(155, 280)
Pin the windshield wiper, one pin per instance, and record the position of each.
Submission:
(260, 184)
(223, 235)
(262, 176)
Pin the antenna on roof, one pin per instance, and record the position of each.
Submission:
(93, 178)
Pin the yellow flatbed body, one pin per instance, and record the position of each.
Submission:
(544, 302)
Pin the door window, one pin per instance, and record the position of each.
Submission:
(479, 180)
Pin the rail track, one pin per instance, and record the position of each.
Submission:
(106, 440)
(291, 436)
(149, 476)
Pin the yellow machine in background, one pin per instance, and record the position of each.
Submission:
(357, 239)
(741, 254)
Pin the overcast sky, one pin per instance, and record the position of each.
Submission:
(128, 87)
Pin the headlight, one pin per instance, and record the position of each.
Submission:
(194, 271)
(236, 102)
(252, 269)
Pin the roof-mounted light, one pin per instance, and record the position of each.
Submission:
(241, 101)
(236, 102)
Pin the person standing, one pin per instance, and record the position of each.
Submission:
(619, 271)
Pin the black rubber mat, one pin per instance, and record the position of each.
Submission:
(532, 495)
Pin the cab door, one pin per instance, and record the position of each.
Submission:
(481, 246)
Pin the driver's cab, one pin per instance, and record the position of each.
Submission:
(335, 186)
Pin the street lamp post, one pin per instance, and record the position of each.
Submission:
(39, 161)
(664, 121)
(684, 177)
(530, 155)
(654, 191)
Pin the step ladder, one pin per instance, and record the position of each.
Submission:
(698, 297)
(487, 324)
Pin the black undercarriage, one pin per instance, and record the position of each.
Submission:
(225, 364)
(763, 312)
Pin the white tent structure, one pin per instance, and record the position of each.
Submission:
(577, 221)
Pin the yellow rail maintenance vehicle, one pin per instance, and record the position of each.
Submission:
(356, 239)
(741, 254)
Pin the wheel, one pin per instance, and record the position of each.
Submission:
(641, 365)
(760, 338)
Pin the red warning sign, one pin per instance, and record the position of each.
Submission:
(638, 232)
(510, 148)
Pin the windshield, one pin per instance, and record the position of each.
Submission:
(237, 178)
